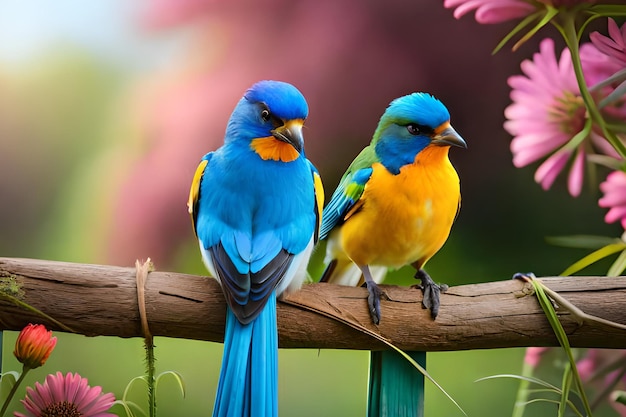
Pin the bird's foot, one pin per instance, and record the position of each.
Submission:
(523, 276)
(373, 300)
(431, 290)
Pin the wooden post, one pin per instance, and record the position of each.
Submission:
(396, 388)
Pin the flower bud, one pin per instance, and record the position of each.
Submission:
(34, 345)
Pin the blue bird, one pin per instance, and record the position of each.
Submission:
(255, 205)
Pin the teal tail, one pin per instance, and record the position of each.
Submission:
(248, 385)
(396, 388)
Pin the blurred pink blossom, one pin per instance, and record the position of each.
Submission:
(603, 58)
(491, 11)
(548, 171)
(614, 189)
(181, 114)
(614, 46)
(600, 368)
(533, 355)
(497, 11)
(588, 364)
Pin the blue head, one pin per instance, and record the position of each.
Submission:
(410, 124)
(271, 110)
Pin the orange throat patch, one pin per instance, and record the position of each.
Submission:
(274, 149)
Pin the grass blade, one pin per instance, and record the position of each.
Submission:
(594, 257)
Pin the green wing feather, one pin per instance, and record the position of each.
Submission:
(349, 190)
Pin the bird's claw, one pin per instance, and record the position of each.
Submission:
(432, 292)
(373, 301)
(524, 276)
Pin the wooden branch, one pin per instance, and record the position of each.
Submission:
(102, 300)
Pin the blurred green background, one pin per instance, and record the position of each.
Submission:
(106, 106)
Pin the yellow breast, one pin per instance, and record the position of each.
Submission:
(404, 218)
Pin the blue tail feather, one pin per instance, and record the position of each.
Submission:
(250, 362)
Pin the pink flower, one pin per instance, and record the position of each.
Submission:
(34, 345)
(613, 46)
(491, 11)
(547, 111)
(614, 189)
(533, 355)
(553, 165)
(66, 396)
(497, 11)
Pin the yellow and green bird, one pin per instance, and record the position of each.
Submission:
(396, 203)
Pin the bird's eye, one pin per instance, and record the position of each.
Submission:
(413, 129)
(265, 115)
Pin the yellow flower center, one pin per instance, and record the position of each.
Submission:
(569, 113)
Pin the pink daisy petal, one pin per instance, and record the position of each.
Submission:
(99, 405)
(614, 198)
(575, 179)
(547, 111)
(615, 214)
(491, 11)
(551, 168)
(502, 12)
(88, 397)
(613, 46)
(41, 394)
(71, 391)
(73, 386)
(55, 385)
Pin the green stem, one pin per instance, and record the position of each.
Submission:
(25, 370)
(32, 309)
(570, 35)
(149, 344)
(522, 392)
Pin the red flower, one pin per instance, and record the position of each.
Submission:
(34, 345)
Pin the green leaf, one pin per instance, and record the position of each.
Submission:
(617, 77)
(550, 13)
(548, 309)
(177, 377)
(7, 381)
(619, 397)
(581, 241)
(618, 266)
(616, 95)
(530, 379)
(521, 25)
(131, 383)
(594, 257)
(521, 397)
(565, 388)
(542, 400)
(128, 406)
(608, 10)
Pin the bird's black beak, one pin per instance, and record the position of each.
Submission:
(448, 137)
(291, 132)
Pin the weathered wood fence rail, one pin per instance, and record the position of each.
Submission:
(102, 300)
